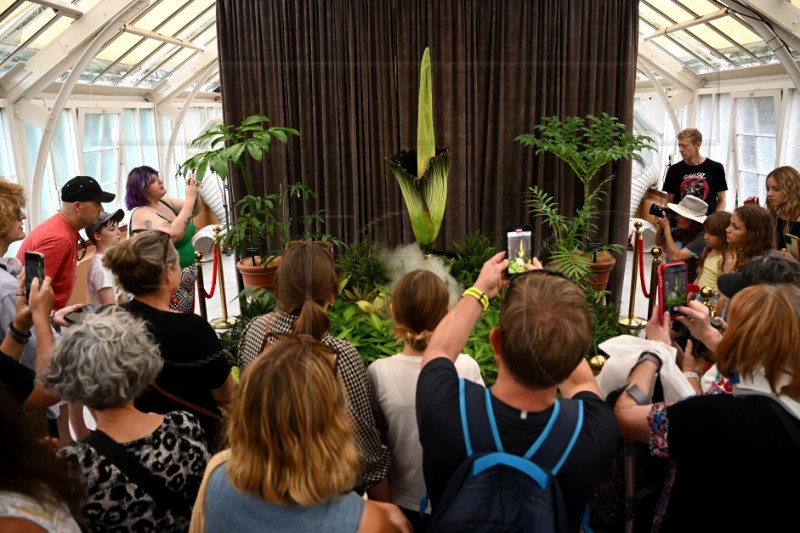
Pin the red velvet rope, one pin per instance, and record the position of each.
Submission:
(209, 295)
(641, 271)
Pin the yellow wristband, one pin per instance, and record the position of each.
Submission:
(478, 295)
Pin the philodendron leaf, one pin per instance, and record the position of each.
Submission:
(426, 143)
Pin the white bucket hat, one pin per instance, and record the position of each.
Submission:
(691, 207)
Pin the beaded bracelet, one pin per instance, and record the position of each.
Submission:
(17, 335)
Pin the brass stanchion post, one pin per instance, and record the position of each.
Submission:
(224, 322)
(707, 293)
(631, 321)
(200, 291)
(656, 252)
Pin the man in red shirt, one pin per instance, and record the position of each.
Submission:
(57, 237)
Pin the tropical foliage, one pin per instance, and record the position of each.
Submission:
(586, 145)
(229, 143)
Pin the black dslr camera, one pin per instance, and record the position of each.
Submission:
(659, 210)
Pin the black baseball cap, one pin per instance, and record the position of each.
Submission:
(85, 189)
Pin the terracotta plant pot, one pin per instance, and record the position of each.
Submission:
(258, 275)
(601, 271)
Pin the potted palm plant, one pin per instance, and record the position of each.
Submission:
(586, 145)
(257, 220)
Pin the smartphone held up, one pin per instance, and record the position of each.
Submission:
(34, 269)
(673, 280)
(519, 250)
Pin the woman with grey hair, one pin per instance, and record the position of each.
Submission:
(105, 363)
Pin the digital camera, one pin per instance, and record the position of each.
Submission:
(658, 210)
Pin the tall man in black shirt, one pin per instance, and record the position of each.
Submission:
(696, 175)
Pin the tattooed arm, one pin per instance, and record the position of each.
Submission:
(147, 218)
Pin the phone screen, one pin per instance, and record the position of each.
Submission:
(674, 287)
(518, 248)
(793, 245)
(34, 268)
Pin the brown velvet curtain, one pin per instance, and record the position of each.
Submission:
(346, 74)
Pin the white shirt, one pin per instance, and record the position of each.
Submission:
(394, 390)
(99, 277)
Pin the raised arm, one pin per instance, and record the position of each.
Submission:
(452, 333)
(146, 218)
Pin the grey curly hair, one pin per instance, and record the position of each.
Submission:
(106, 361)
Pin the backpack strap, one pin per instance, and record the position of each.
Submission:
(560, 433)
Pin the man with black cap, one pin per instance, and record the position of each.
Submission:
(57, 237)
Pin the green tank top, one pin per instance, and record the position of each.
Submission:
(184, 246)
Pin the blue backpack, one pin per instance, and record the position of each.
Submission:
(499, 491)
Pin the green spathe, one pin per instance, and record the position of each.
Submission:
(422, 173)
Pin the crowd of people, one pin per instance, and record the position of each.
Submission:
(312, 439)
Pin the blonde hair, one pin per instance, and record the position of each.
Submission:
(139, 263)
(693, 134)
(291, 436)
(545, 328)
(752, 342)
(788, 179)
(420, 301)
(12, 200)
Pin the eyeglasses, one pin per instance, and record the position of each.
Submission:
(313, 343)
(80, 253)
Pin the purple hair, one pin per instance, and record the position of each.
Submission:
(136, 188)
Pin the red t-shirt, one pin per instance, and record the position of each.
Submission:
(57, 240)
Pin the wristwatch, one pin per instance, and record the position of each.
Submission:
(638, 395)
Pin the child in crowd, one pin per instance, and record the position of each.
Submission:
(100, 281)
(712, 259)
(783, 201)
(419, 302)
(750, 234)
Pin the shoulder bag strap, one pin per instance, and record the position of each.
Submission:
(137, 473)
(186, 403)
(198, 523)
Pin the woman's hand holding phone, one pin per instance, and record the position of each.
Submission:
(42, 297)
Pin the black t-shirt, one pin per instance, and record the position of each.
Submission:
(704, 181)
(443, 448)
(18, 378)
(194, 363)
(780, 225)
(735, 466)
